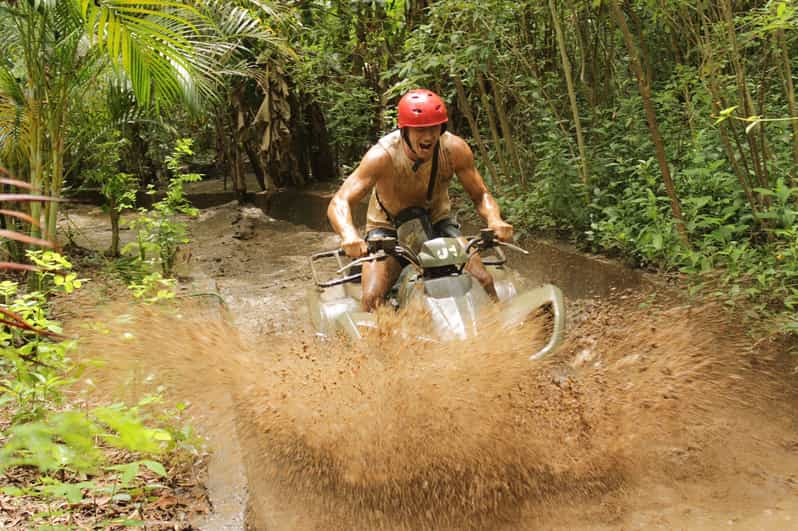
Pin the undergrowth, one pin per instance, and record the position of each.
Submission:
(75, 460)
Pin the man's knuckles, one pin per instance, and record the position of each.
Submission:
(504, 232)
(355, 249)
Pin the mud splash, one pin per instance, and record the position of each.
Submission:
(400, 433)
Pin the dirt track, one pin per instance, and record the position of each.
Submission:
(647, 418)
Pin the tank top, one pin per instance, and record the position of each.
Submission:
(407, 188)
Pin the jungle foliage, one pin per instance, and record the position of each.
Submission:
(661, 131)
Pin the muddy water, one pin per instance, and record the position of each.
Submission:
(646, 418)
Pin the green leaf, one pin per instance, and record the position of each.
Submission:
(12, 491)
(161, 435)
(128, 471)
(657, 241)
(155, 466)
(73, 493)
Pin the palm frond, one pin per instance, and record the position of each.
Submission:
(24, 238)
(19, 215)
(13, 118)
(152, 41)
(14, 182)
(13, 235)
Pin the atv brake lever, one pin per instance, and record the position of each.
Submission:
(511, 246)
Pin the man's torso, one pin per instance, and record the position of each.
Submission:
(402, 187)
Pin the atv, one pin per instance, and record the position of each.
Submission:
(435, 276)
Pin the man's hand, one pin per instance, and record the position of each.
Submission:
(503, 230)
(354, 247)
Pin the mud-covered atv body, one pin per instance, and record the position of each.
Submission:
(435, 278)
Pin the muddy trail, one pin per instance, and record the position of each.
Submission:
(650, 416)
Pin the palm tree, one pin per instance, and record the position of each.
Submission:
(169, 51)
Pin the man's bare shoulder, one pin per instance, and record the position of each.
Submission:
(376, 161)
(459, 151)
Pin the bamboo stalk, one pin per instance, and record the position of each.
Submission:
(645, 92)
(790, 90)
(566, 66)
(494, 131)
(549, 101)
(466, 109)
(742, 87)
(501, 111)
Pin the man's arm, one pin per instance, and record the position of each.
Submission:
(355, 188)
(474, 185)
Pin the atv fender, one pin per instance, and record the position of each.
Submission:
(519, 308)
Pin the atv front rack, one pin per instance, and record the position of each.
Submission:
(337, 254)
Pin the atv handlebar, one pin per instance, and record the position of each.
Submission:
(378, 249)
(487, 240)
(381, 248)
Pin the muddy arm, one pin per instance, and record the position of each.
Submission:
(355, 188)
(474, 185)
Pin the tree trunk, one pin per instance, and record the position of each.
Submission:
(322, 162)
(741, 177)
(742, 87)
(114, 249)
(415, 12)
(466, 110)
(36, 165)
(257, 167)
(239, 176)
(566, 66)
(790, 90)
(221, 163)
(239, 126)
(501, 111)
(763, 87)
(494, 131)
(645, 92)
(59, 110)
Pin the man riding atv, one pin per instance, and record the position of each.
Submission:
(409, 171)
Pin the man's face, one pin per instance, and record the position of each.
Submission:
(423, 140)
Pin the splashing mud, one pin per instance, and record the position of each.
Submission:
(400, 433)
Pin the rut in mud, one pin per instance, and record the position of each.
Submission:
(399, 433)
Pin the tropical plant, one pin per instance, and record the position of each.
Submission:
(168, 51)
(160, 231)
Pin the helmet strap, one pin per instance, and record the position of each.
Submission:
(406, 138)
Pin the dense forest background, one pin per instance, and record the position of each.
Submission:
(661, 131)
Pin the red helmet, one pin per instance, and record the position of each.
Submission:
(421, 108)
